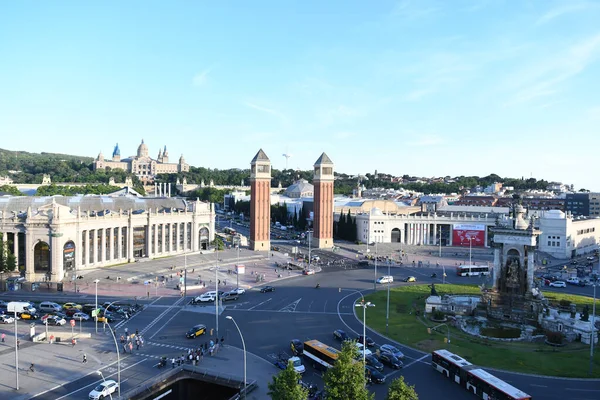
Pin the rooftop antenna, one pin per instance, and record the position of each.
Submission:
(287, 156)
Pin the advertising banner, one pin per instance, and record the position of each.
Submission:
(462, 234)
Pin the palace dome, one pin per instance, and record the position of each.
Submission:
(142, 150)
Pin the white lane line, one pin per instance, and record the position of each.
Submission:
(417, 360)
(541, 386)
(325, 306)
(166, 323)
(292, 306)
(260, 304)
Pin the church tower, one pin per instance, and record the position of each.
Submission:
(260, 202)
(116, 156)
(323, 203)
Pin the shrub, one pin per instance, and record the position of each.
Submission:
(438, 315)
(564, 303)
(554, 337)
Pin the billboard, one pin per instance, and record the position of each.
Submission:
(462, 232)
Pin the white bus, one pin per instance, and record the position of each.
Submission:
(487, 386)
(472, 270)
(450, 365)
(319, 354)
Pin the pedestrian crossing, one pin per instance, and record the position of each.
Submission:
(170, 346)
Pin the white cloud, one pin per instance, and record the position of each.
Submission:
(427, 140)
(565, 9)
(201, 78)
(267, 110)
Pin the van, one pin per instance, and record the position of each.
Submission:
(20, 306)
(49, 306)
(385, 279)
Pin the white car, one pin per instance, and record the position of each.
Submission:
(80, 316)
(360, 350)
(238, 291)
(297, 363)
(558, 284)
(385, 279)
(205, 298)
(5, 319)
(105, 389)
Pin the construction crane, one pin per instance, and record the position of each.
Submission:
(287, 156)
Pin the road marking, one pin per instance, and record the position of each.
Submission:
(166, 323)
(416, 361)
(325, 306)
(260, 304)
(157, 319)
(541, 386)
(295, 312)
(292, 306)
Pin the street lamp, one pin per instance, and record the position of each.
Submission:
(116, 346)
(96, 310)
(364, 307)
(470, 246)
(387, 311)
(593, 327)
(104, 380)
(237, 274)
(217, 288)
(309, 233)
(375, 280)
(229, 317)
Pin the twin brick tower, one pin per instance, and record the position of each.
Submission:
(260, 202)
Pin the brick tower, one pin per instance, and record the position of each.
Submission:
(260, 202)
(323, 203)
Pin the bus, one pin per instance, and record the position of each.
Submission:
(487, 386)
(450, 365)
(320, 355)
(471, 377)
(472, 270)
(229, 231)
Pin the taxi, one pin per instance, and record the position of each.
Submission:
(28, 315)
(196, 331)
(68, 306)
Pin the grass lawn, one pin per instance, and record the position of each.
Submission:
(535, 358)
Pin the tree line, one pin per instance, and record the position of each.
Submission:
(345, 380)
(8, 261)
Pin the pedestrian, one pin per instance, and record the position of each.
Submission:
(126, 331)
(190, 358)
(172, 362)
(197, 359)
(130, 347)
(137, 344)
(84, 359)
(18, 344)
(201, 354)
(122, 339)
(222, 340)
(137, 332)
(124, 348)
(73, 342)
(3, 337)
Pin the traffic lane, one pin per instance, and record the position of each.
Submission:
(133, 371)
(541, 387)
(172, 332)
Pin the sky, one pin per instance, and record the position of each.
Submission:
(424, 88)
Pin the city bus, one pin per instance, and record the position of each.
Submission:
(472, 270)
(229, 231)
(471, 377)
(487, 386)
(450, 365)
(320, 355)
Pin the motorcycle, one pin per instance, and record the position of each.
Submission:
(434, 275)
(318, 286)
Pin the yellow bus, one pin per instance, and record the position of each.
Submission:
(320, 355)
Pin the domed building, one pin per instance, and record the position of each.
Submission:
(300, 188)
(142, 164)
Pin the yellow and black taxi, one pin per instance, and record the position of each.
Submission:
(196, 331)
(68, 306)
(297, 347)
(105, 317)
(28, 315)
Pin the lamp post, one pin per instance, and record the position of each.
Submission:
(309, 247)
(593, 327)
(364, 307)
(96, 310)
(217, 288)
(16, 351)
(116, 347)
(104, 380)
(470, 242)
(229, 317)
(375, 280)
(387, 310)
(237, 274)
(440, 241)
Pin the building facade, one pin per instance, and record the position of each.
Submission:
(260, 202)
(142, 165)
(583, 204)
(53, 237)
(323, 203)
(565, 236)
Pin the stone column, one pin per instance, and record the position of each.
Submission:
(485, 240)
(435, 235)
(450, 239)
(56, 259)
(185, 236)
(176, 237)
(16, 247)
(170, 237)
(530, 267)
(130, 257)
(29, 265)
(111, 244)
(83, 237)
(102, 257)
(155, 239)
(496, 268)
(119, 243)
(95, 245)
(163, 235)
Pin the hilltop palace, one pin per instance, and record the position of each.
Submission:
(142, 165)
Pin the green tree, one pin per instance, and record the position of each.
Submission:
(400, 390)
(285, 385)
(218, 243)
(346, 380)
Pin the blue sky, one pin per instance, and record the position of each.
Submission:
(426, 88)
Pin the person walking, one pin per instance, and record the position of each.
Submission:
(18, 344)
(84, 359)
(126, 332)
(137, 344)
(130, 347)
(3, 337)
(222, 340)
(172, 362)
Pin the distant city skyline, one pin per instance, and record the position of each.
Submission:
(423, 88)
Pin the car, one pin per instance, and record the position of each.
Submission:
(297, 347)
(316, 258)
(267, 289)
(308, 272)
(53, 320)
(558, 284)
(372, 361)
(104, 389)
(68, 306)
(28, 315)
(205, 298)
(368, 341)
(105, 317)
(229, 296)
(590, 258)
(388, 348)
(80, 316)
(410, 279)
(340, 335)
(373, 375)
(238, 291)
(196, 331)
(385, 279)
(297, 364)
(359, 346)
(575, 281)
(70, 311)
(390, 360)
(6, 319)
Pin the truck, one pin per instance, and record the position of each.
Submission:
(19, 307)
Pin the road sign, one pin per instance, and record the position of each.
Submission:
(72, 322)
